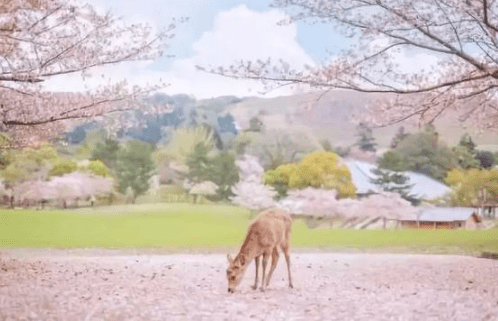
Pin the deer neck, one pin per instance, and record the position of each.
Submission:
(250, 249)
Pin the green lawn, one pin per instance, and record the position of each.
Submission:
(187, 226)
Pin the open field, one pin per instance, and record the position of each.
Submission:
(208, 228)
(100, 285)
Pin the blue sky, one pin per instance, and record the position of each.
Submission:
(217, 33)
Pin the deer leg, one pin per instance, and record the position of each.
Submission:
(265, 263)
(287, 259)
(256, 260)
(274, 260)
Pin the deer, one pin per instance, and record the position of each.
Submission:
(270, 231)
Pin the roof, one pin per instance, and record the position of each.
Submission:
(424, 186)
(443, 214)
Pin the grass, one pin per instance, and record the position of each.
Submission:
(196, 227)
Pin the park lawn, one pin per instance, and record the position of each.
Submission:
(197, 227)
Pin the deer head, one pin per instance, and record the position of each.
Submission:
(235, 271)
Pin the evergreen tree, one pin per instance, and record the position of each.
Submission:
(399, 137)
(389, 181)
(107, 152)
(486, 159)
(135, 166)
(366, 141)
(224, 173)
(255, 124)
(198, 163)
(466, 141)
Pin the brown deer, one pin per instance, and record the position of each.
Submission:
(270, 231)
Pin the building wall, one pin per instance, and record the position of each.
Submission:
(432, 225)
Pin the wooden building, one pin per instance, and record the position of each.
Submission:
(444, 218)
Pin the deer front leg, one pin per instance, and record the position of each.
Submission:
(265, 263)
(255, 286)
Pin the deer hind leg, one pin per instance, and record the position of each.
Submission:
(285, 249)
(274, 260)
(255, 286)
(266, 254)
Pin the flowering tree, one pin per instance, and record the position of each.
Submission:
(206, 188)
(459, 36)
(69, 187)
(250, 191)
(314, 202)
(319, 169)
(41, 39)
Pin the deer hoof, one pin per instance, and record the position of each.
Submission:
(262, 289)
(254, 287)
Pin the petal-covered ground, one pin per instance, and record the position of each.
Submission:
(106, 285)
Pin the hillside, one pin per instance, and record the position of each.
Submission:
(327, 116)
(330, 117)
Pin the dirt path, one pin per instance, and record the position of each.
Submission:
(93, 285)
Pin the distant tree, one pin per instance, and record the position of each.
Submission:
(250, 191)
(220, 169)
(341, 151)
(224, 173)
(5, 150)
(31, 163)
(393, 161)
(62, 167)
(107, 152)
(242, 141)
(205, 189)
(421, 153)
(366, 141)
(199, 163)
(277, 147)
(184, 140)
(218, 142)
(466, 141)
(473, 187)
(227, 124)
(279, 178)
(98, 168)
(255, 124)
(465, 158)
(398, 137)
(324, 203)
(318, 170)
(327, 145)
(135, 166)
(77, 135)
(395, 182)
(485, 158)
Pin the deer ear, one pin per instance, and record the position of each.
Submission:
(242, 259)
(229, 257)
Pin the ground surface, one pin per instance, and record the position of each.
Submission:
(103, 285)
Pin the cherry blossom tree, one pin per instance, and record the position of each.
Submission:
(69, 187)
(460, 37)
(41, 39)
(322, 203)
(250, 191)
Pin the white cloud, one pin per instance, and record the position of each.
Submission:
(237, 34)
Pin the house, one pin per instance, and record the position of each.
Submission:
(424, 187)
(444, 218)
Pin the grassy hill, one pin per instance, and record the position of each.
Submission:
(329, 116)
